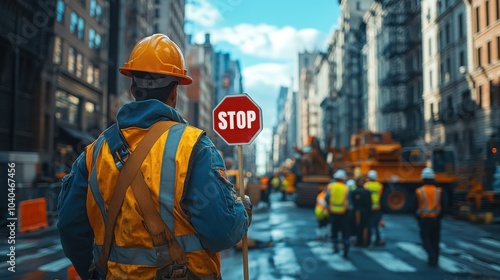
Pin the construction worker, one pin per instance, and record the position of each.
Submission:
(264, 190)
(276, 181)
(361, 207)
(322, 215)
(338, 205)
(376, 189)
(429, 214)
(151, 163)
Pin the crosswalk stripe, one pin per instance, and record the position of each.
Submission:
(334, 261)
(444, 262)
(466, 256)
(42, 253)
(285, 261)
(55, 265)
(490, 242)
(478, 249)
(389, 261)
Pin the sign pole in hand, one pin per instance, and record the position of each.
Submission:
(237, 120)
(244, 245)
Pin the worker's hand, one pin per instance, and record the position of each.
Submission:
(248, 207)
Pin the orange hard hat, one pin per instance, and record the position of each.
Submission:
(157, 54)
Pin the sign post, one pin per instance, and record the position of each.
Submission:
(238, 121)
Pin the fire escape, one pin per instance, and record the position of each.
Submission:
(395, 85)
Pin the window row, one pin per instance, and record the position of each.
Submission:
(486, 14)
(484, 54)
(70, 108)
(95, 10)
(75, 64)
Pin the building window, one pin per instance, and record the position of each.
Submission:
(67, 107)
(90, 74)
(157, 13)
(492, 94)
(82, 2)
(79, 65)
(97, 42)
(448, 69)
(462, 58)
(60, 11)
(487, 10)
(430, 47)
(92, 9)
(71, 60)
(81, 28)
(443, 71)
(430, 79)
(498, 9)
(498, 47)
(449, 101)
(91, 38)
(448, 35)
(358, 6)
(89, 107)
(98, 13)
(56, 57)
(97, 74)
(480, 96)
(479, 56)
(488, 46)
(460, 25)
(432, 112)
(73, 23)
(477, 20)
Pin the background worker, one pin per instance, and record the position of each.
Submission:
(322, 215)
(338, 205)
(429, 214)
(361, 207)
(264, 183)
(376, 189)
(180, 168)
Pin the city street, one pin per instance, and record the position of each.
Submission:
(287, 250)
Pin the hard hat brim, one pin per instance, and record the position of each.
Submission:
(183, 79)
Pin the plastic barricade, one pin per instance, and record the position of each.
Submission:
(32, 214)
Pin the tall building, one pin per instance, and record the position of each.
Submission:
(80, 65)
(306, 75)
(132, 21)
(448, 105)
(169, 20)
(227, 76)
(27, 76)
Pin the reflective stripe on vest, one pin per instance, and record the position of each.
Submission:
(338, 198)
(375, 189)
(174, 150)
(424, 209)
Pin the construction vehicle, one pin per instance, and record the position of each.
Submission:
(312, 173)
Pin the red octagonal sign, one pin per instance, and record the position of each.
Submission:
(237, 119)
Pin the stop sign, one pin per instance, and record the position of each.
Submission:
(237, 119)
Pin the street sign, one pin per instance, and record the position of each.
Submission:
(237, 119)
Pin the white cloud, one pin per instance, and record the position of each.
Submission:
(268, 41)
(203, 13)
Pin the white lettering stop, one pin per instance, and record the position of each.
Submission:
(242, 119)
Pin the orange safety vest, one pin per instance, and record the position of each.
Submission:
(132, 253)
(338, 197)
(263, 183)
(321, 208)
(429, 201)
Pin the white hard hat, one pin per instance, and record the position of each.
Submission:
(340, 174)
(372, 175)
(350, 183)
(427, 173)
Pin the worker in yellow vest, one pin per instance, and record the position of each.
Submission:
(264, 190)
(376, 189)
(322, 215)
(429, 214)
(338, 206)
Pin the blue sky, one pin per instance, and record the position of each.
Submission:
(266, 37)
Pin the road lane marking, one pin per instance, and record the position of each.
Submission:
(389, 261)
(41, 253)
(55, 265)
(325, 253)
(285, 261)
(460, 253)
(478, 249)
(490, 242)
(445, 263)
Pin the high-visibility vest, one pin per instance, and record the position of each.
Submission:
(275, 182)
(338, 197)
(133, 253)
(376, 190)
(263, 183)
(321, 208)
(429, 201)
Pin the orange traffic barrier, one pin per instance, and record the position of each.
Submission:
(32, 214)
(72, 274)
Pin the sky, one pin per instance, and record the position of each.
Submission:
(266, 36)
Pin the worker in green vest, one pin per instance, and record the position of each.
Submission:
(376, 189)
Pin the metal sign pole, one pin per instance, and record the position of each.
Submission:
(244, 248)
